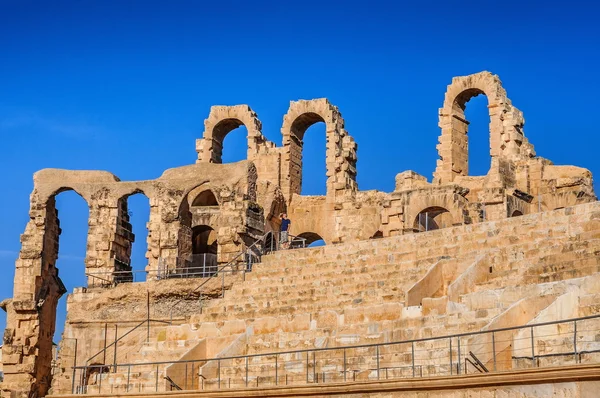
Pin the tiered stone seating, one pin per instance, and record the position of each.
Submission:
(460, 280)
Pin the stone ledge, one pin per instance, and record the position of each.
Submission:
(554, 375)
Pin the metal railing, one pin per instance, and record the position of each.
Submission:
(203, 265)
(272, 242)
(113, 278)
(197, 266)
(251, 255)
(113, 347)
(557, 343)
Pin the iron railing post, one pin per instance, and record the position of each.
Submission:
(458, 353)
(494, 349)
(451, 364)
(315, 366)
(219, 370)
(128, 375)
(115, 349)
(413, 358)
(344, 364)
(185, 381)
(246, 371)
(306, 367)
(532, 349)
(73, 381)
(105, 337)
(192, 374)
(377, 354)
(276, 371)
(156, 385)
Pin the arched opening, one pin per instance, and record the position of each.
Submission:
(309, 176)
(130, 256)
(204, 251)
(477, 131)
(65, 249)
(205, 198)
(432, 218)
(233, 135)
(307, 239)
(516, 213)
(269, 243)
(377, 235)
(314, 166)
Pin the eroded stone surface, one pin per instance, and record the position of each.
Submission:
(237, 203)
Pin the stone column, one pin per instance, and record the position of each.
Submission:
(102, 238)
(31, 320)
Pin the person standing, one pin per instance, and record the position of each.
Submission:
(284, 231)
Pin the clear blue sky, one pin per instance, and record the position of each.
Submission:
(124, 86)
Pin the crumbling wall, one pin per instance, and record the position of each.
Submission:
(506, 126)
(340, 154)
(31, 318)
(252, 193)
(220, 122)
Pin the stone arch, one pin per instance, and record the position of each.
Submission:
(449, 198)
(310, 237)
(124, 237)
(220, 122)
(432, 218)
(31, 316)
(341, 148)
(516, 213)
(205, 198)
(269, 243)
(200, 206)
(204, 239)
(507, 139)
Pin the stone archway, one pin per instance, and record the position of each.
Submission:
(309, 238)
(432, 218)
(124, 238)
(340, 154)
(507, 139)
(31, 316)
(221, 121)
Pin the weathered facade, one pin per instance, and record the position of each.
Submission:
(223, 209)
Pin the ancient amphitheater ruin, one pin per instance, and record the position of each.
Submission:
(484, 286)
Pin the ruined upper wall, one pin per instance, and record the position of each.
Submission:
(507, 139)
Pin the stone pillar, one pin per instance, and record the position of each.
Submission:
(102, 239)
(154, 239)
(31, 320)
(340, 152)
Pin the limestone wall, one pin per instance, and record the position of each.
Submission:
(248, 196)
(32, 312)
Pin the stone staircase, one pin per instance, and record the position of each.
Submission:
(456, 280)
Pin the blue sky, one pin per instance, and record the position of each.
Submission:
(125, 87)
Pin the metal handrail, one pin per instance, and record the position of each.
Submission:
(276, 241)
(116, 341)
(123, 274)
(121, 338)
(219, 270)
(297, 238)
(457, 335)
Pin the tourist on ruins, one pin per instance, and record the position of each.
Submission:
(284, 231)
